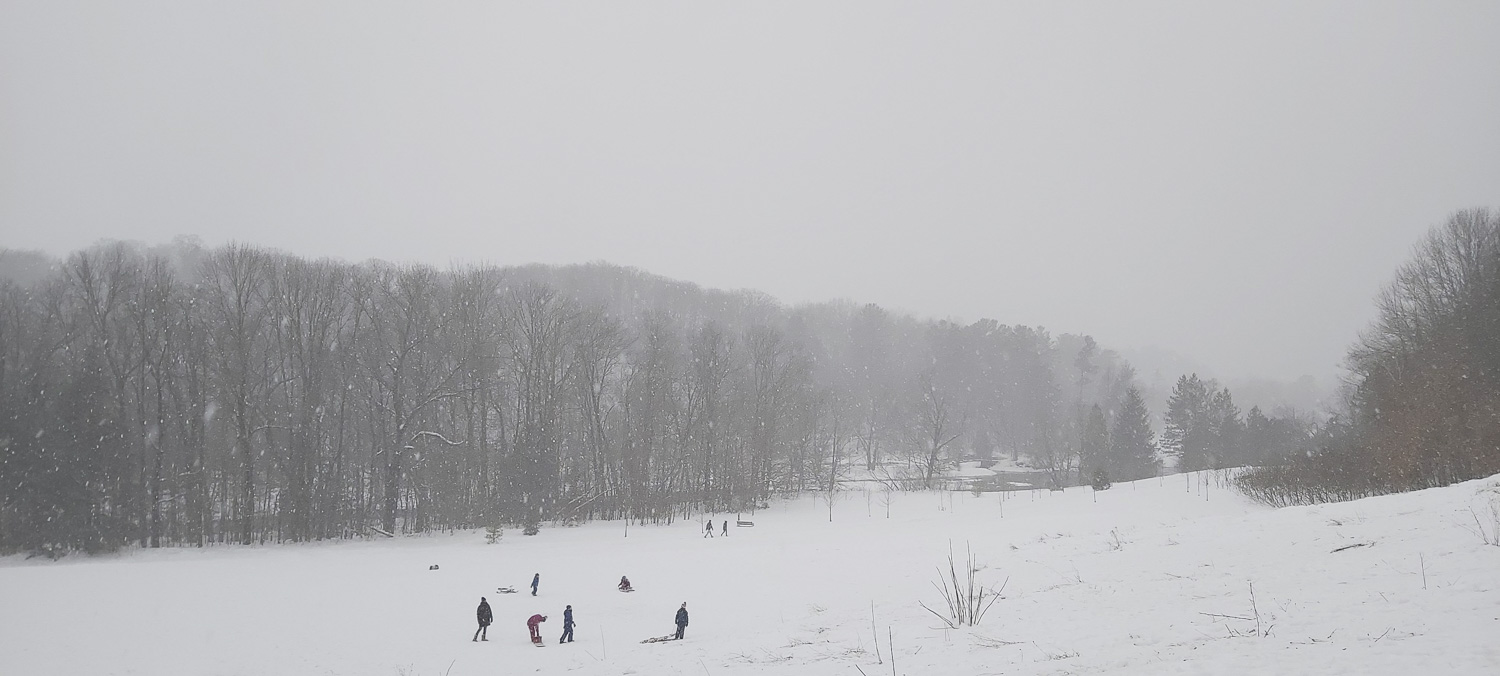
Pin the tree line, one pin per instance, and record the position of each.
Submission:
(183, 395)
(1423, 405)
(1204, 429)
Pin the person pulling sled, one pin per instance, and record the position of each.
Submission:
(682, 620)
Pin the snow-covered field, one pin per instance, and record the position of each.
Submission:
(1139, 579)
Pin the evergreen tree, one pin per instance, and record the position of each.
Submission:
(1222, 418)
(1100, 479)
(1187, 436)
(1272, 438)
(1095, 443)
(1257, 437)
(1132, 444)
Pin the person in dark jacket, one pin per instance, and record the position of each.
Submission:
(726, 527)
(708, 529)
(682, 619)
(535, 580)
(485, 617)
(567, 636)
(625, 584)
(536, 631)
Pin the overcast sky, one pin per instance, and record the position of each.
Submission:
(1233, 183)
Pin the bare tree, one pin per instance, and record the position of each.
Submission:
(938, 428)
(541, 326)
(408, 365)
(234, 276)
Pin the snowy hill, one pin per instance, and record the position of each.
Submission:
(1146, 578)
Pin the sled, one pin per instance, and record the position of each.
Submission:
(660, 639)
(505, 590)
(628, 590)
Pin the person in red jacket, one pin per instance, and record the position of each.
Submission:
(536, 633)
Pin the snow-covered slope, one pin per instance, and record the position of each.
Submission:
(1146, 578)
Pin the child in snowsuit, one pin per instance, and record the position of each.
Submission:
(625, 584)
(682, 619)
(535, 580)
(567, 636)
(485, 617)
(536, 632)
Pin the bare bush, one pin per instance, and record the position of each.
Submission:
(1424, 401)
(966, 599)
(1489, 532)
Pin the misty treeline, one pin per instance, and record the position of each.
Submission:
(182, 395)
(1204, 429)
(1424, 381)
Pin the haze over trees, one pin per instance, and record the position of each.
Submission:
(180, 395)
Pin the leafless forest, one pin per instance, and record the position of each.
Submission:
(186, 396)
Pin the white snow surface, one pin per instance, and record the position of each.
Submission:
(1133, 580)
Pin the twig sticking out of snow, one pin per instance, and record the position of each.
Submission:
(1228, 617)
(890, 642)
(990, 642)
(1254, 617)
(1491, 535)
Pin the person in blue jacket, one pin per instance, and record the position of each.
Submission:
(567, 636)
(535, 580)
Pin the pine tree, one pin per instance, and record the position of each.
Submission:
(1132, 444)
(1257, 437)
(1095, 443)
(1226, 432)
(1187, 435)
